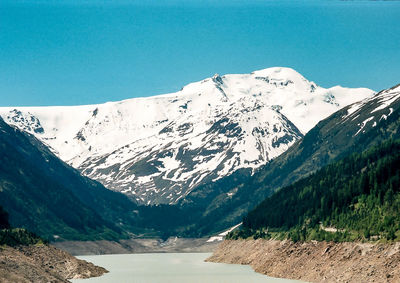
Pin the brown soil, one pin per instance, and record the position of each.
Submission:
(43, 263)
(315, 261)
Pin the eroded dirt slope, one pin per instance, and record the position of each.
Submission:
(315, 261)
(43, 263)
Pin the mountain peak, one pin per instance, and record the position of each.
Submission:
(217, 79)
(278, 73)
(157, 149)
(282, 76)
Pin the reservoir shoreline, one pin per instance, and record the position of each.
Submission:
(43, 263)
(138, 245)
(314, 261)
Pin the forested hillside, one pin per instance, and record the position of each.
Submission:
(15, 236)
(358, 196)
(46, 196)
(352, 129)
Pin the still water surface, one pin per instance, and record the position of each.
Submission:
(172, 267)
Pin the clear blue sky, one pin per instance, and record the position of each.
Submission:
(60, 53)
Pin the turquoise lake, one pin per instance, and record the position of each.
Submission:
(172, 267)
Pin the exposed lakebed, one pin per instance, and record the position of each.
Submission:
(172, 267)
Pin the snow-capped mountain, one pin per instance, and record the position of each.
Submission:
(157, 149)
(372, 110)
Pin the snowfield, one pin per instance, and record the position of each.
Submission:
(157, 149)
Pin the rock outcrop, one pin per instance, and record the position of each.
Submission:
(43, 263)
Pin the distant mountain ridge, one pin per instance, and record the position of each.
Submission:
(159, 149)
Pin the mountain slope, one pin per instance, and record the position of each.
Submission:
(359, 194)
(46, 196)
(351, 129)
(158, 149)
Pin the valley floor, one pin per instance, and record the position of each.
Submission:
(315, 261)
(43, 263)
(172, 245)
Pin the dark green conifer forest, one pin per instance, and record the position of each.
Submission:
(15, 236)
(356, 198)
(3, 219)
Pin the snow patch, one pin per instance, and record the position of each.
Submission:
(363, 124)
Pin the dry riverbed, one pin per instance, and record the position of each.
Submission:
(43, 263)
(315, 261)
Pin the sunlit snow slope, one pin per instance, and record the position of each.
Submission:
(157, 149)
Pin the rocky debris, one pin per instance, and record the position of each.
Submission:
(43, 263)
(315, 261)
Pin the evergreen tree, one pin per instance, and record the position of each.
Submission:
(4, 224)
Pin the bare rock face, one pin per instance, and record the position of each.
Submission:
(315, 261)
(43, 263)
